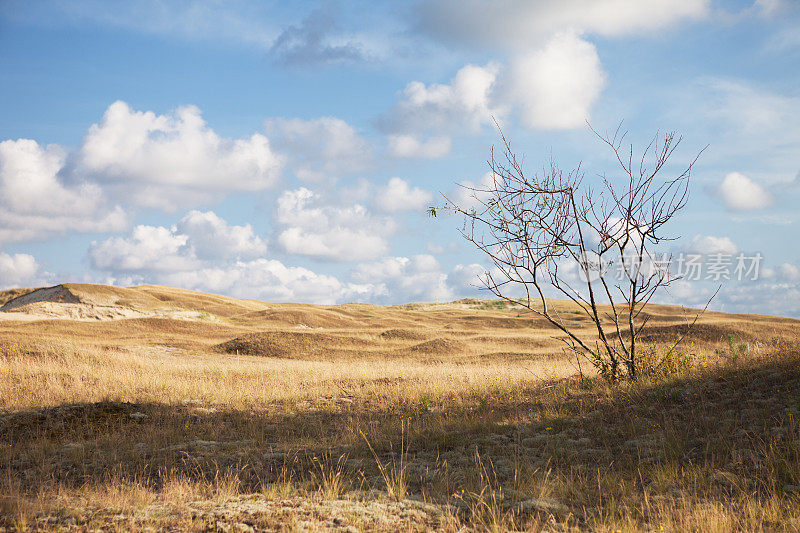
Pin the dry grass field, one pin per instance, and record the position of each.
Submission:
(164, 409)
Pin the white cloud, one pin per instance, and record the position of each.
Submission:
(552, 87)
(398, 195)
(268, 280)
(769, 298)
(204, 252)
(466, 279)
(740, 193)
(320, 149)
(348, 233)
(555, 87)
(168, 160)
(712, 245)
(21, 270)
(211, 237)
(790, 272)
(418, 278)
(463, 103)
(36, 202)
(148, 248)
(519, 24)
(410, 146)
(195, 241)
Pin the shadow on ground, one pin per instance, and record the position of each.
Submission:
(575, 449)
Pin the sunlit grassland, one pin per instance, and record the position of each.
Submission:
(488, 428)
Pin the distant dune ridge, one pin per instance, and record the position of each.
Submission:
(463, 329)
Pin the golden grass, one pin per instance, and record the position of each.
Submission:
(40, 376)
(450, 417)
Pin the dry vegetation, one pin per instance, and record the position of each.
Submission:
(208, 413)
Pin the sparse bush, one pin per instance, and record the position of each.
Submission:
(539, 230)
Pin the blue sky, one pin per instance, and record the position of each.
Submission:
(288, 151)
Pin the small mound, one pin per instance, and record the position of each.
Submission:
(501, 322)
(286, 344)
(438, 347)
(215, 304)
(711, 333)
(402, 334)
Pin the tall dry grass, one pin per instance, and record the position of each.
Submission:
(135, 427)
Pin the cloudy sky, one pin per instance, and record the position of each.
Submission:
(287, 151)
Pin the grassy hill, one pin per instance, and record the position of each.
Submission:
(129, 408)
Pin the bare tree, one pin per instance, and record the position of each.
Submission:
(594, 245)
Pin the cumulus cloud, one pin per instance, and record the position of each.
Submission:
(410, 146)
(398, 195)
(416, 278)
(168, 160)
(35, 201)
(464, 102)
(519, 24)
(709, 244)
(204, 252)
(320, 149)
(21, 270)
(148, 248)
(555, 87)
(741, 193)
(211, 237)
(348, 233)
(270, 280)
(198, 238)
